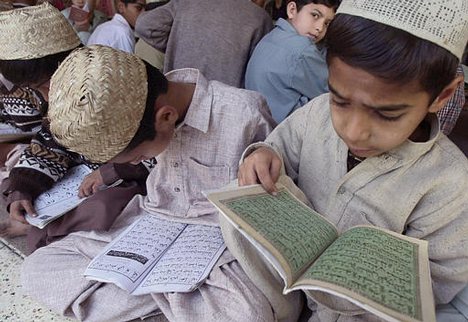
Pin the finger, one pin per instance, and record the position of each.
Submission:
(28, 207)
(247, 175)
(266, 180)
(275, 169)
(95, 188)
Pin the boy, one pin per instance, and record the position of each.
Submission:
(45, 161)
(216, 37)
(371, 151)
(288, 65)
(118, 33)
(197, 129)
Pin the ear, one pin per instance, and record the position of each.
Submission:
(445, 94)
(291, 9)
(120, 6)
(165, 118)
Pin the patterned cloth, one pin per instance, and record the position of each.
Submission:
(219, 124)
(21, 107)
(417, 189)
(45, 161)
(449, 114)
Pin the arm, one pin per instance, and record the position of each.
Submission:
(41, 164)
(154, 26)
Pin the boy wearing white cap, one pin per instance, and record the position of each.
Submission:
(371, 151)
(110, 105)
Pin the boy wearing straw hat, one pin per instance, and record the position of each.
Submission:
(371, 151)
(110, 105)
(30, 60)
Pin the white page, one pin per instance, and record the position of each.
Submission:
(127, 259)
(187, 263)
(59, 199)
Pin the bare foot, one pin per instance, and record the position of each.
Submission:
(12, 228)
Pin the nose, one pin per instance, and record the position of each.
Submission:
(358, 128)
(320, 26)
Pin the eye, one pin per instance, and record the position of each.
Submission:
(388, 118)
(315, 15)
(339, 103)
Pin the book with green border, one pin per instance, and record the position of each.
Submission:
(377, 270)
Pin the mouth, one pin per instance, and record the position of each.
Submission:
(313, 37)
(359, 152)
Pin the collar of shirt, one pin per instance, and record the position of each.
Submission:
(119, 18)
(199, 111)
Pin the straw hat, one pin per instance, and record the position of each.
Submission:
(443, 22)
(35, 32)
(97, 99)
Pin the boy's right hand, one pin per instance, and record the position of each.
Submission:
(19, 208)
(262, 166)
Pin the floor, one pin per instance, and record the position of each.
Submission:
(14, 305)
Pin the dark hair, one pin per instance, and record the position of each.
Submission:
(154, 5)
(391, 54)
(328, 3)
(32, 71)
(157, 84)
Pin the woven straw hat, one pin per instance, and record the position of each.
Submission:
(35, 31)
(443, 22)
(97, 99)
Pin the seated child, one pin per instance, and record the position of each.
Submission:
(371, 151)
(45, 161)
(118, 33)
(197, 130)
(216, 37)
(288, 65)
(84, 27)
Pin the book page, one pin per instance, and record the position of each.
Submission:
(381, 271)
(187, 263)
(59, 199)
(129, 257)
(289, 230)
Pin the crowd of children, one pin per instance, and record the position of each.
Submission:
(350, 99)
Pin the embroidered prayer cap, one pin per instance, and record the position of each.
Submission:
(443, 22)
(97, 98)
(35, 32)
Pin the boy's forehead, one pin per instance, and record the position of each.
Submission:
(444, 23)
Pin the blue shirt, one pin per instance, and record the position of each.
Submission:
(288, 69)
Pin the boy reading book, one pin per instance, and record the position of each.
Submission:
(371, 151)
(198, 130)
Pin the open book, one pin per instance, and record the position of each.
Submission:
(377, 270)
(155, 255)
(61, 198)
(9, 133)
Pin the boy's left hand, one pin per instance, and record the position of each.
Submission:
(90, 184)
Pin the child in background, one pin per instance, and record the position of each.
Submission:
(197, 129)
(288, 65)
(118, 33)
(84, 27)
(45, 161)
(371, 152)
(216, 37)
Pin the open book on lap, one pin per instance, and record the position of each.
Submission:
(155, 255)
(377, 270)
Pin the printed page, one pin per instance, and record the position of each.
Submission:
(381, 271)
(61, 198)
(289, 231)
(187, 262)
(129, 257)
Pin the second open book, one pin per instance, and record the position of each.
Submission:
(380, 271)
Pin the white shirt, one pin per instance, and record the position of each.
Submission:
(116, 33)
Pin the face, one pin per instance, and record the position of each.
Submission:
(131, 11)
(370, 115)
(79, 3)
(311, 21)
(166, 118)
